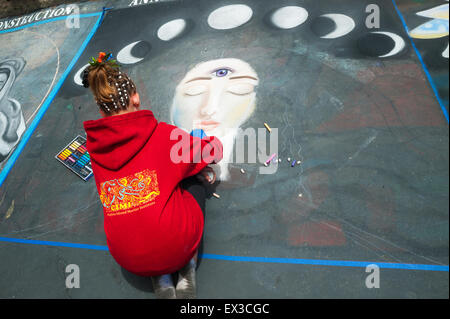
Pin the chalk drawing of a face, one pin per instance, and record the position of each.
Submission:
(217, 96)
(12, 123)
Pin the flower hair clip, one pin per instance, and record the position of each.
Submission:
(104, 58)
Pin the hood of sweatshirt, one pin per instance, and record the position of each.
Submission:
(114, 140)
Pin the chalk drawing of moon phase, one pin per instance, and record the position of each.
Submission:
(445, 53)
(439, 12)
(77, 77)
(230, 17)
(171, 29)
(124, 56)
(398, 40)
(344, 25)
(289, 17)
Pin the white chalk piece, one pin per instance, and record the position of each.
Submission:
(289, 159)
(216, 195)
(299, 162)
(300, 195)
(279, 160)
(242, 171)
(265, 164)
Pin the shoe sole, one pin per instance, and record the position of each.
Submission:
(190, 291)
(163, 292)
(168, 293)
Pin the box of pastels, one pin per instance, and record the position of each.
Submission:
(76, 158)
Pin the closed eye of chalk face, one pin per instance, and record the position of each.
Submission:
(195, 90)
(241, 88)
(234, 88)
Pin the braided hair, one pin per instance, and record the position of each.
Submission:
(111, 87)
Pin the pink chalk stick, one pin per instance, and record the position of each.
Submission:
(271, 158)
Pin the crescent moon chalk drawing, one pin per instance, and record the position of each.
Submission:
(398, 40)
(344, 25)
(124, 56)
(77, 77)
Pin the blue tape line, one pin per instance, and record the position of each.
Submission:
(26, 136)
(321, 262)
(316, 262)
(430, 79)
(52, 243)
(84, 15)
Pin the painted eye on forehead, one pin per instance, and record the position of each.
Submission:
(222, 72)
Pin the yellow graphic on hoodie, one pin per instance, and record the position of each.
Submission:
(129, 194)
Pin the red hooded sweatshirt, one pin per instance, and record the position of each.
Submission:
(152, 226)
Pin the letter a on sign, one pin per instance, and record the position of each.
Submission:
(73, 279)
(373, 280)
(373, 19)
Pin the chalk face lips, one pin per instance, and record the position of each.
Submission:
(208, 125)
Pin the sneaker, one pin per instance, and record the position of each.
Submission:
(186, 288)
(163, 287)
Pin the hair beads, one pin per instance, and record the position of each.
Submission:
(111, 88)
(123, 89)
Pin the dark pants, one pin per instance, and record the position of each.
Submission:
(197, 189)
(200, 192)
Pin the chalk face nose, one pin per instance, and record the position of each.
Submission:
(212, 99)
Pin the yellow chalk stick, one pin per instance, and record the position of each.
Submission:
(268, 127)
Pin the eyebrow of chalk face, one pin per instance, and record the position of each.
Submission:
(198, 79)
(243, 77)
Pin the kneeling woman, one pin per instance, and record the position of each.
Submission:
(152, 204)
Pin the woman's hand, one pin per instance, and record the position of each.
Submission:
(207, 175)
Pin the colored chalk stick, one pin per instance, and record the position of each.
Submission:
(270, 158)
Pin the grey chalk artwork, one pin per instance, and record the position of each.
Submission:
(12, 123)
